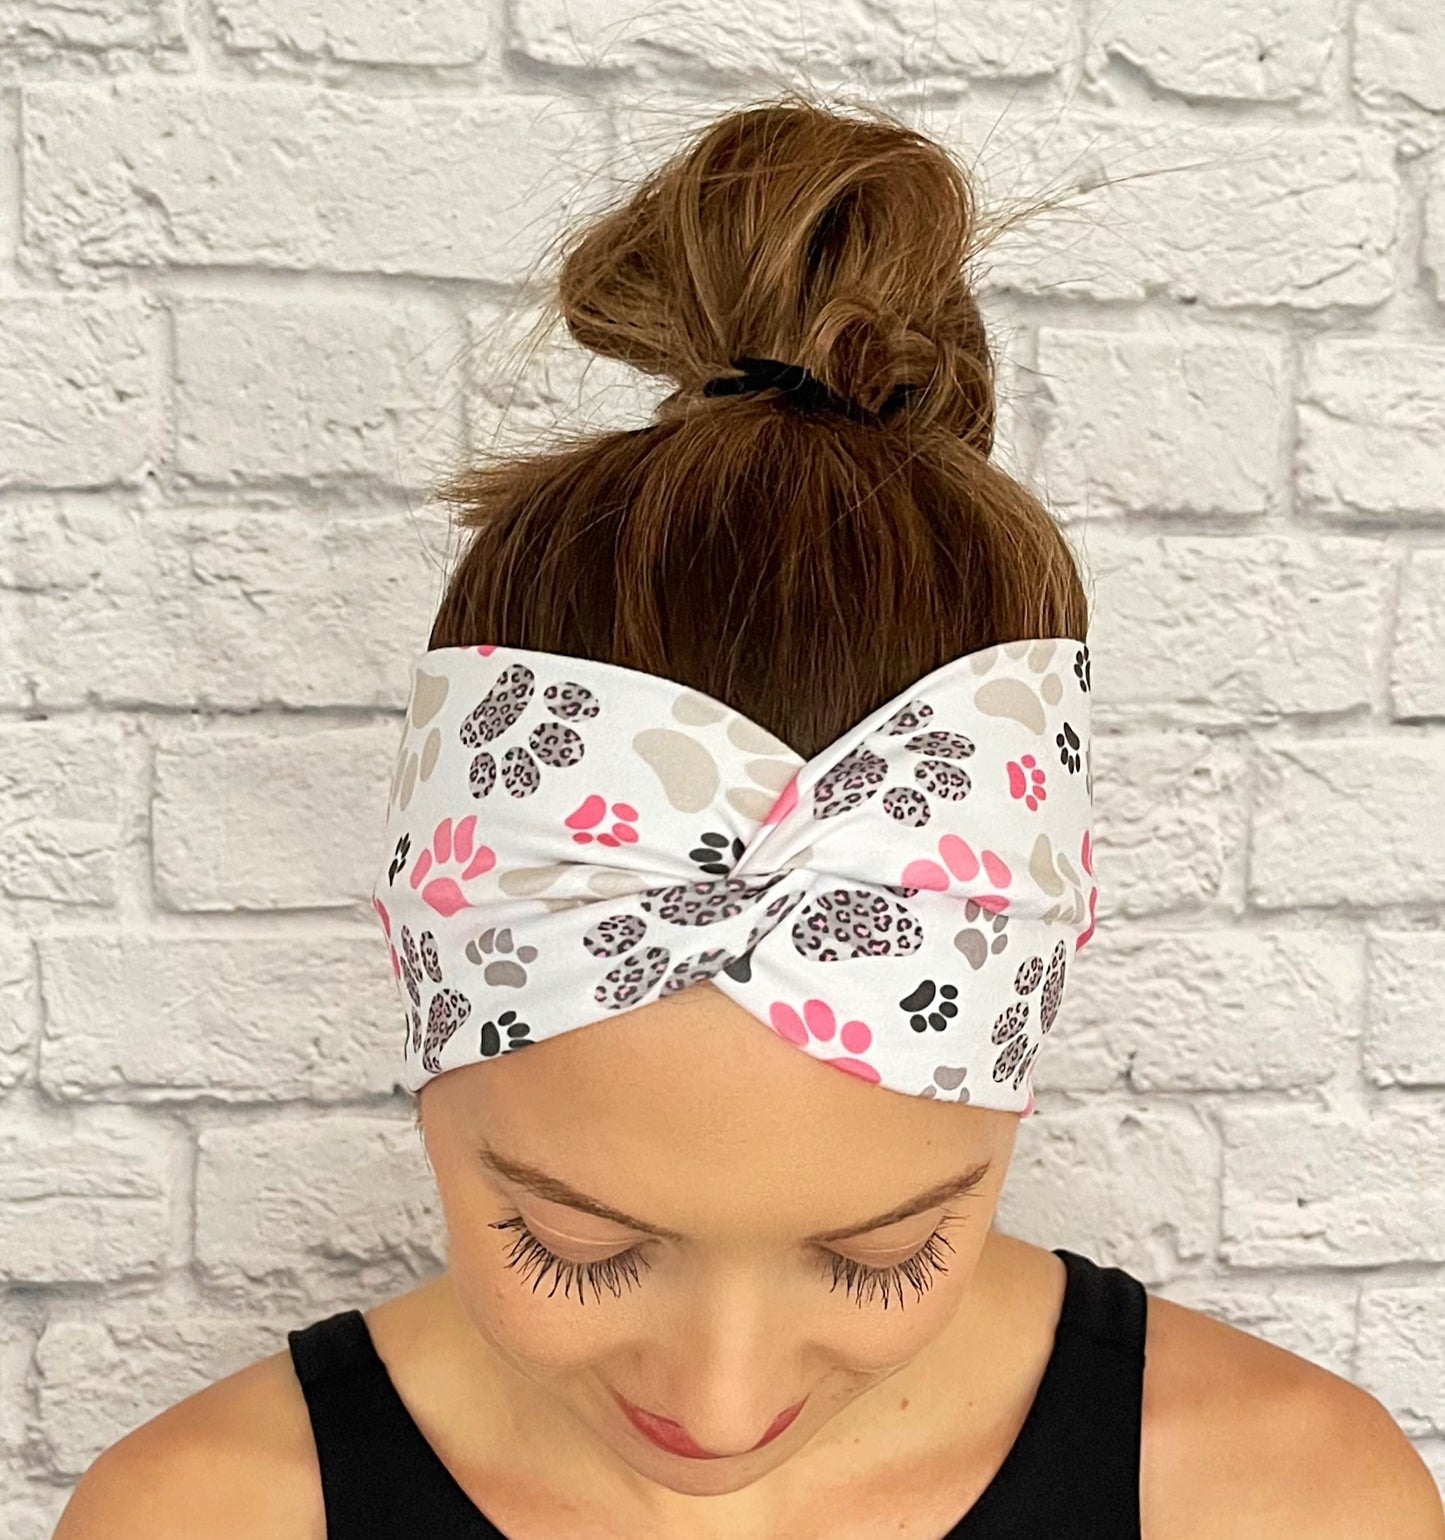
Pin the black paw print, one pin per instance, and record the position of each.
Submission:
(712, 853)
(518, 1035)
(398, 860)
(1069, 749)
(1082, 667)
(918, 1001)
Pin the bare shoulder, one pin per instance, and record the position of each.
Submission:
(1244, 1440)
(236, 1458)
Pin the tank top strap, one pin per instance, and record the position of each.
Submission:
(1073, 1470)
(380, 1479)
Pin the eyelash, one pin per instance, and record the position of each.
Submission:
(612, 1273)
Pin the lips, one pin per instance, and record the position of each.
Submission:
(676, 1440)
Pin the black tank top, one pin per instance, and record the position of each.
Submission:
(1072, 1473)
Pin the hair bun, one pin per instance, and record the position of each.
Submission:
(837, 243)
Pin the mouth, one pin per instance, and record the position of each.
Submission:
(671, 1436)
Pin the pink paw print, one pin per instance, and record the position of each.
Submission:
(380, 908)
(819, 1024)
(592, 812)
(1026, 780)
(450, 847)
(1086, 856)
(961, 863)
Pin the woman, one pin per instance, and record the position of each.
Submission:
(706, 756)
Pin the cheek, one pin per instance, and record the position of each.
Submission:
(872, 1340)
(557, 1333)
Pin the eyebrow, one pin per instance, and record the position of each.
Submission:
(544, 1185)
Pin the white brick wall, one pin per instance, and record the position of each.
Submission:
(263, 275)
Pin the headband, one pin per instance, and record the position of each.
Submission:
(568, 839)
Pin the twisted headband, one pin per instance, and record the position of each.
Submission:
(568, 839)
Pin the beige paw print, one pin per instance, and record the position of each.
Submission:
(689, 773)
(417, 756)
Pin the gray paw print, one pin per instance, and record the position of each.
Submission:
(508, 966)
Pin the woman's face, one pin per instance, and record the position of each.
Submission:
(763, 1166)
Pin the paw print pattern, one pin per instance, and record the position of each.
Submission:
(858, 775)
(414, 765)
(641, 968)
(551, 743)
(855, 778)
(492, 1044)
(817, 1023)
(959, 861)
(1026, 778)
(592, 811)
(1017, 1059)
(447, 1009)
(716, 854)
(1083, 671)
(503, 965)
(1070, 756)
(450, 847)
(985, 935)
(398, 860)
(949, 1080)
(918, 1001)
(844, 923)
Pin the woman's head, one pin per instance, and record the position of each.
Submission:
(804, 568)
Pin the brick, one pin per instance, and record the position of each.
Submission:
(322, 388)
(1210, 1010)
(1163, 423)
(99, 1378)
(306, 1016)
(19, 1009)
(1417, 679)
(239, 609)
(61, 811)
(1403, 1041)
(31, 1505)
(1400, 52)
(1064, 1183)
(351, 1191)
(1351, 821)
(1349, 1187)
(1168, 820)
(836, 39)
(1269, 215)
(1275, 51)
(437, 32)
(1433, 242)
(1401, 1355)
(235, 816)
(265, 176)
(82, 384)
(84, 1197)
(1221, 631)
(1371, 420)
(39, 31)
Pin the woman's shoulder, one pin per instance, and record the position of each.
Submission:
(236, 1458)
(1243, 1439)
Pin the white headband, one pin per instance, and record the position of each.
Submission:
(568, 839)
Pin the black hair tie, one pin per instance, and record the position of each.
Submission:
(804, 389)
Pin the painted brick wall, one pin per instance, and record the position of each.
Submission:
(264, 273)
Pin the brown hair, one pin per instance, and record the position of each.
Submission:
(799, 565)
